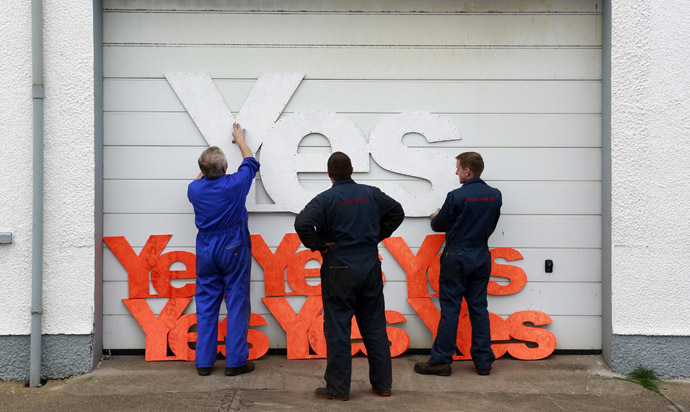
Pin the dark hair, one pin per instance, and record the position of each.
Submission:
(212, 162)
(473, 161)
(339, 166)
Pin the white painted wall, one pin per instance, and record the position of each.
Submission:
(521, 86)
(650, 128)
(15, 166)
(69, 167)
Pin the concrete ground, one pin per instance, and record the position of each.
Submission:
(559, 383)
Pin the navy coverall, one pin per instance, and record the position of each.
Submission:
(223, 263)
(355, 218)
(468, 216)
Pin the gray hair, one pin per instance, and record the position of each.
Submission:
(212, 162)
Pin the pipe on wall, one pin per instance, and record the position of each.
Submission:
(606, 274)
(98, 157)
(37, 94)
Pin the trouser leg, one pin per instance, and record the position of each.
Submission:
(208, 296)
(239, 309)
(371, 318)
(482, 354)
(337, 284)
(337, 325)
(451, 290)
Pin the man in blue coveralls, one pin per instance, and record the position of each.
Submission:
(223, 255)
(346, 223)
(468, 216)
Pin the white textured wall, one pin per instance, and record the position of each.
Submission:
(15, 166)
(69, 168)
(651, 167)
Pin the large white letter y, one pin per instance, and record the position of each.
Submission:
(206, 106)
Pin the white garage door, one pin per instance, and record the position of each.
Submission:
(519, 82)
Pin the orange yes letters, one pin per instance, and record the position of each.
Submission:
(304, 328)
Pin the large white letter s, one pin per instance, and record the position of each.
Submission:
(387, 149)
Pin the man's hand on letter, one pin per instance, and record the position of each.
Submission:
(237, 133)
(238, 138)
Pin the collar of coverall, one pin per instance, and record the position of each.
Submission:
(343, 181)
(473, 180)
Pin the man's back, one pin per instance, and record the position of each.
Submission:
(469, 215)
(351, 215)
(219, 204)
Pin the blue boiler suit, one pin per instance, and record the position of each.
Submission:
(356, 218)
(468, 216)
(223, 263)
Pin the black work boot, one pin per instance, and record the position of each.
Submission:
(425, 369)
(323, 394)
(240, 370)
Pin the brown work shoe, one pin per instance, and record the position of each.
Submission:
(323, 394)
(425, 369)
(240, 370)
(381, 392)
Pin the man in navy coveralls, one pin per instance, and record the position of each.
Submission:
(223, 255)
(346, 223)
(468, 216)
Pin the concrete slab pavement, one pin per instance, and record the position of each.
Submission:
(678, 392)
(559, 383)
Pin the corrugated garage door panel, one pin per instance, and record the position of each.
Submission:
(521, 81)
(358, 6)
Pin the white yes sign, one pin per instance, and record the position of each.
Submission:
(280, 161)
